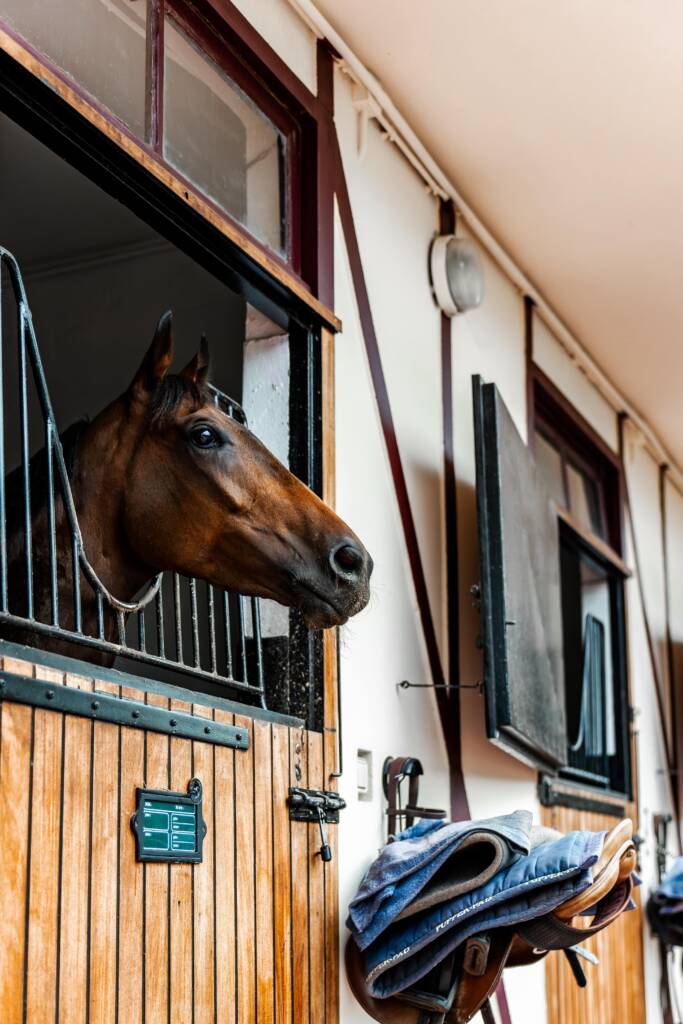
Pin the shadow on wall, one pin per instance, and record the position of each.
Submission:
(480, 756)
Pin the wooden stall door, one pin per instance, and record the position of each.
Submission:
(90, 936)
(615, 990)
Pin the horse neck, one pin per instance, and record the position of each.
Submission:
(98, 484)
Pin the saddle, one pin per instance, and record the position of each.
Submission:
(461, 985)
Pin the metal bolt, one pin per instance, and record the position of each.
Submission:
(136, 714)
(95, 704)
(207, 730)
(50, 694)
(238, 738)
(173, 723)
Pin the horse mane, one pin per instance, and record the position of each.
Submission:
(170, 393)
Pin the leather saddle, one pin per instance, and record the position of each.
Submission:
(461, 985)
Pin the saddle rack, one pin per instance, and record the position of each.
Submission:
(394, 773)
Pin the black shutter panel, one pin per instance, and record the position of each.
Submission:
(520, 590)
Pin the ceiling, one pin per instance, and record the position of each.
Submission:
(560, 124)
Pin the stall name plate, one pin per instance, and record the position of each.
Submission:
(169, 826)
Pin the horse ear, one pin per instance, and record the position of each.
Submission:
(158, 357)
(197, 369)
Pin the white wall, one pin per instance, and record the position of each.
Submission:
(395, 219)
(384, 644)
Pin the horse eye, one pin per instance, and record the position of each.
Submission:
(204, 437)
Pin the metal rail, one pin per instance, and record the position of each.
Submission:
(214, 648)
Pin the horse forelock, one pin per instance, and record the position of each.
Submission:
(173, 392)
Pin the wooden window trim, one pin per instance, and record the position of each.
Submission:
(552, 414)
(23, 54)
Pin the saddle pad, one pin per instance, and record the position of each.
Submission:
(404, 867)
(528, 888)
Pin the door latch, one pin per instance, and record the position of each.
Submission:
(319, 806)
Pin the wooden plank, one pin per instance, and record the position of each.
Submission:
(615, 989)
(16, 727)
(224, 879)
(204, 924)
(181, 188)
(181, 892)
(104, 868)
(156, 889)
(131, 876)
(301, 833)
(330, 765)
(245, 896)
(43, 934)
(282, 878)
(263, 844)
(316, 890)
(73, 962)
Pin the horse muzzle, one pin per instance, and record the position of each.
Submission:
(340, 591)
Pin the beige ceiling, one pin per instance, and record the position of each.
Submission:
(561, 123)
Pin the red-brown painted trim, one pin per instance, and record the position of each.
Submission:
(658, 687)
(270, 64)
(450, 709)
(323, 283)
(675, 702)
(154, 100)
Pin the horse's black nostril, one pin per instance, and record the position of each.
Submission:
(347, 560)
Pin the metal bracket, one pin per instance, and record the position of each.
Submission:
(315, 805)
(104, 707)
(405, 684)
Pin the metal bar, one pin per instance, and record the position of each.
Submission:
(212, 627)
(128, 652)
(256, 623)
(195, 621)
(141, 630)
(121, 623)
(51, 525)
(104, 707)
(100, 616)
(161, 639)
(178, 619)
(242, 638)
(228, 633)
(25, 459)
(76, 565)
(3, 511)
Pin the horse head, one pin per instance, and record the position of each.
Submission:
(202, 496)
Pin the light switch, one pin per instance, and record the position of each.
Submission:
(364, 774)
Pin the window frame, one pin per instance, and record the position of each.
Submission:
(53, 108)
(552, 415)
(228, 39)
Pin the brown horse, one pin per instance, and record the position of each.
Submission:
(163, 479)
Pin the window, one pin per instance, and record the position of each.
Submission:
(583, 478)
(178, 83)
(97, 278)
(552, 592)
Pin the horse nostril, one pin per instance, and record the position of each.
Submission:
(347, 560)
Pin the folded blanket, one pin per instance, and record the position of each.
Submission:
(665, 906)
(432, 862)
(529, 887)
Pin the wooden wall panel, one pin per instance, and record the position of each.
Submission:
(224, 817)
(103, 896)
(181, 895)
(247, 936)
(615, 990)
(156, 888)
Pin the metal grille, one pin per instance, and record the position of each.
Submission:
(178, 623)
